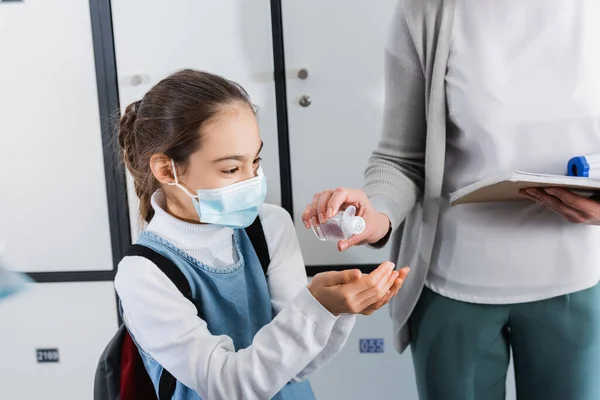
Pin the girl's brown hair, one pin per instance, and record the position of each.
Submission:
(168, 120)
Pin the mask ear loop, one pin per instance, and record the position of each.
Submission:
(179, 185)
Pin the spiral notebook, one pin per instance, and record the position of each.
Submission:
(506, 187)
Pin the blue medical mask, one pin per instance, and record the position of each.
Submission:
(233, 206)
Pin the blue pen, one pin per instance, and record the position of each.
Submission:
(585, 166)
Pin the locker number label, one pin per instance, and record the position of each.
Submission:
(47, 355)
(371, 345)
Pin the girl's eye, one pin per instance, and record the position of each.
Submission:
(231, 171)
(258, 160)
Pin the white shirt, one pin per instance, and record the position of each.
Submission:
(302, 337)
(523, 90)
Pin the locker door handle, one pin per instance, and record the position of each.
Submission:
(135, 80)
(301, 74)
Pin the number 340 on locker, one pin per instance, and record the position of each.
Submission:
(371, 345)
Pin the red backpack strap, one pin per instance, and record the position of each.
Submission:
(131, 361)
(135, 382)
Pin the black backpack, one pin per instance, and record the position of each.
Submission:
(120, 374)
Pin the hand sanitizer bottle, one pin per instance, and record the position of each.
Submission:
(341, 226)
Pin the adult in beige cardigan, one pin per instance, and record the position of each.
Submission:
(474, 88)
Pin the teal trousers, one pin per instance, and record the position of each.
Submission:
(461, 351)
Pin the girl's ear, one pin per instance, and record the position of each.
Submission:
(162, 168)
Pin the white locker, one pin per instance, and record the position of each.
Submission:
(228, 37)
(355, 375)
(340, 43)
(331, 141)
(53, 208)
(76, 319)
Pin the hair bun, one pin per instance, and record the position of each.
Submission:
(127, 125)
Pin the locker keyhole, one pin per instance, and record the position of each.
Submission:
(305, 101)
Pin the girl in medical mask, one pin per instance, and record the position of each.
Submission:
(192, 145)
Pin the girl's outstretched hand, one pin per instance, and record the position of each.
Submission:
(351, 292)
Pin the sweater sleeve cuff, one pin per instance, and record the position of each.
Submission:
(346, 322)
(314, 310)
(386, 206)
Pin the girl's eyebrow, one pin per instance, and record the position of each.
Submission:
(237, 157)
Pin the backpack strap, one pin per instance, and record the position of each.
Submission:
(167, 382)
(257, 237)
(167, 266)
